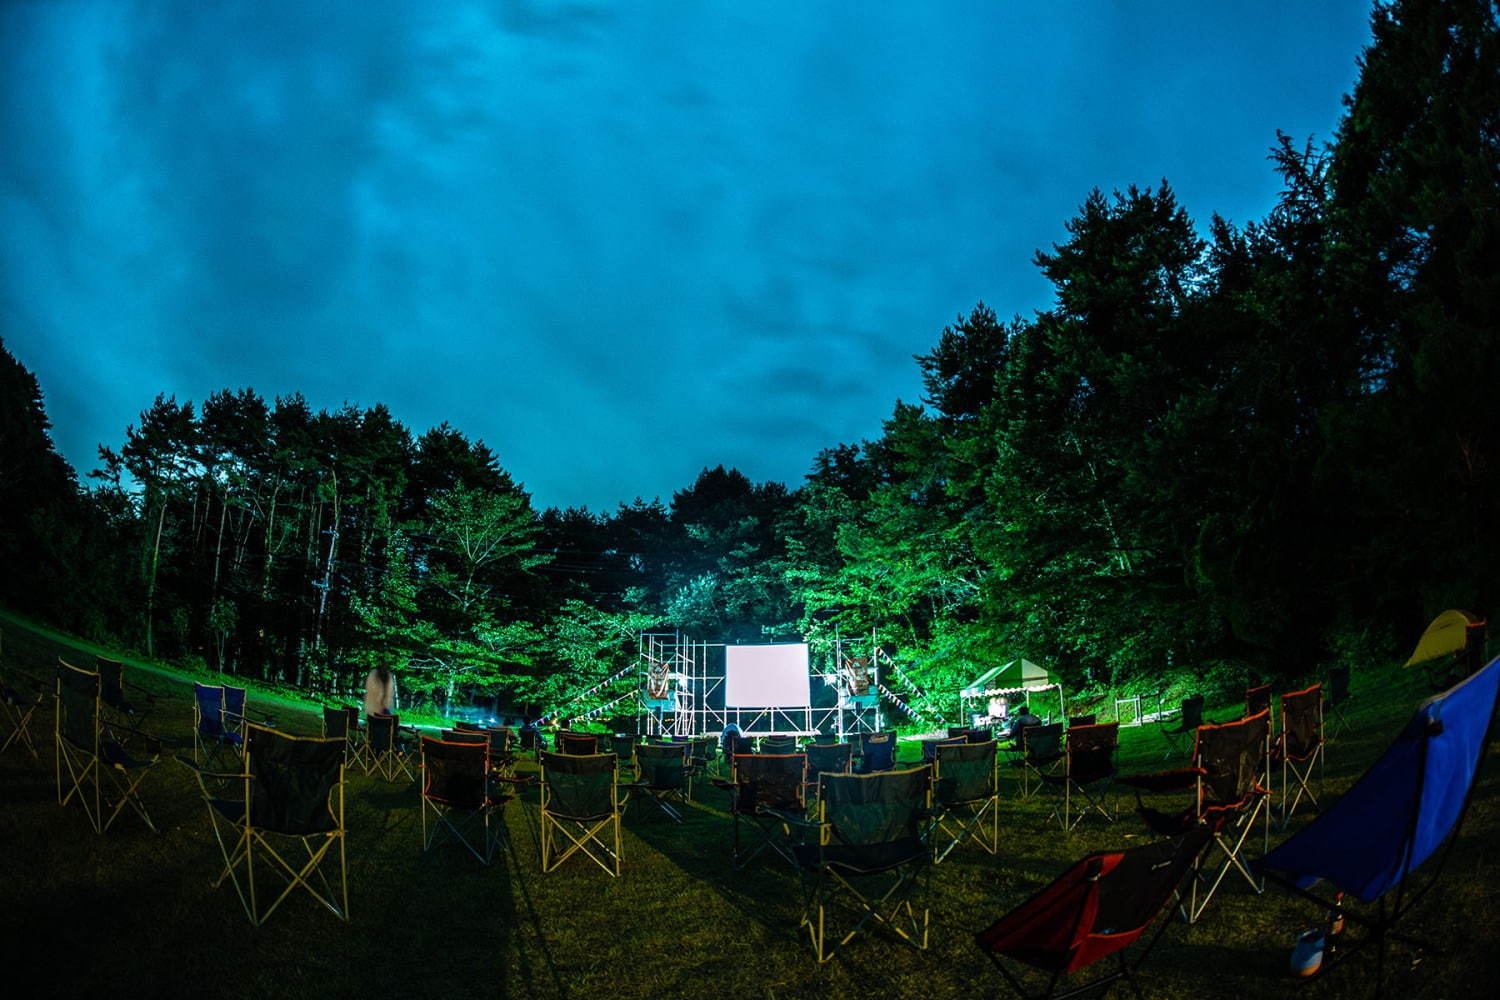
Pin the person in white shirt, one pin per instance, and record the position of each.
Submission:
(380, 692)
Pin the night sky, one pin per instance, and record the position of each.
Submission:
(618, 242)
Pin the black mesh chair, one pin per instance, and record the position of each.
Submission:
(766, 794)
(1299, 748)
(869, 844)
(1230, 784)
(462, 736)
(238, 713)
(390, 746)
(877, 752)
(965, 797)
(1088, 770)
(1098, 908)
(20, 698)
(663, 776)
(580, 810)
(1037, 750)
(622, 745)
(826, 758)
(129, 703)
(1257, 699)
(336, 727)
(980, 734)
(778, 744)
(502, 752)
(459, 796)
(359, 743)
(703, 755)
(92, 757)
(532, 741)
(468, 727)
(216, 740)
(577, 744)
(929, 746)
(280, 819)
(1188, 721)
(1337, 697)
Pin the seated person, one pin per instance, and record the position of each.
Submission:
(727, 737)
(1020, 719)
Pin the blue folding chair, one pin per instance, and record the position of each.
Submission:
(1400, 814)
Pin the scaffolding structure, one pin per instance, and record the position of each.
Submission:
(682, 691)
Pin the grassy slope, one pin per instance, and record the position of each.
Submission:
(680, 922)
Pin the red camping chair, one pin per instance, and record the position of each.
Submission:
(1097, 908)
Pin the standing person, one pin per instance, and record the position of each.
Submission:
(380, 691)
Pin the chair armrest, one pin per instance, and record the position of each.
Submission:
(153, 743)
(794, 819)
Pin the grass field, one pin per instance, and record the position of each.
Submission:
(132, 913)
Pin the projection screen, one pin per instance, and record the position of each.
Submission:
(767, 676)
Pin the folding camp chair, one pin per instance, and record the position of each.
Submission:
(462, 736)
(19, 700)
(237, 711)
(502, 752)
(929, 746)
(580, 802)
(532, 742)
(1257, 699)
(1299, 747)
(703, 755)
(965, 794)
(459, 795)
(1188, 721)
(1336, 697)
(622, 745)
(357, 753)
(1037, 750)
(577, 744)
(90, 749)
(468, 727)
(980, 734)
(1099, 907)
(1404, 811)
(958, 731)
(871, 830)
(877, 752)
(112, 693)
(390, 746)
(765, 790)
(1088, 768)
(734, 744)
(1082, 720)
(826, 758)
(1230, 780)
(215, 740)
(663, 775)
(778, 744)
(336, 727)
(281, 815)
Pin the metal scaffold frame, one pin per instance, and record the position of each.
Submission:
(682, 689)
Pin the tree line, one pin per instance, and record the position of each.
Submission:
(1235, 450)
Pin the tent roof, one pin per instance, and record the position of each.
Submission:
(1447, 634)
(1016, 673)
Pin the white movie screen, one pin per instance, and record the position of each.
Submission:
(766, 676)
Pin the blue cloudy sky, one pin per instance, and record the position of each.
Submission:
(618, 241)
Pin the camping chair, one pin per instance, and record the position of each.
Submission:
(468, 727)
(90, 748)
(929, 746)
(462, 736)
(336, 727)
(766, 792)
(1299, 746)
(459, 796)
(213, 736)
(1230, 781)
(877, 752)
(1088, 762)
(237, 713)
(112, 685)
(282, 813)
(1257, 699)
(1336, 697)
(826, 758)
(1038, 748)
(980, 734)
(663, 774)
(358, 752)
(870, 830)
(577, 744)
(622, 745)
(778, 744)
(1083, 720)
(389, 744)
(1097, 908)
(580, 801)
(734, 745)
(1188, 721)
(532, 742)
(703, 755)
(1404, 811)
(19, 701)
(502, 757)
(965, 793)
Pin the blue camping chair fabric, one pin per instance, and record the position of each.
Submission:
(1397, 816)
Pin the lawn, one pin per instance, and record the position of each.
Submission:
(132, 912)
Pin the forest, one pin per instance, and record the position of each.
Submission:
(1229, 449)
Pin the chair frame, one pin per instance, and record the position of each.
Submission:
(19, 708)
(393, 759)
(1091, 803)
(661, 794)
(972, 826)
(774, 823)
(1297, 763)
(1188, 721)
(247, 839)
(891, 908)
(447, 823)
(1030, 762)
(577, 833)
(86, 766)
(211, 737)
